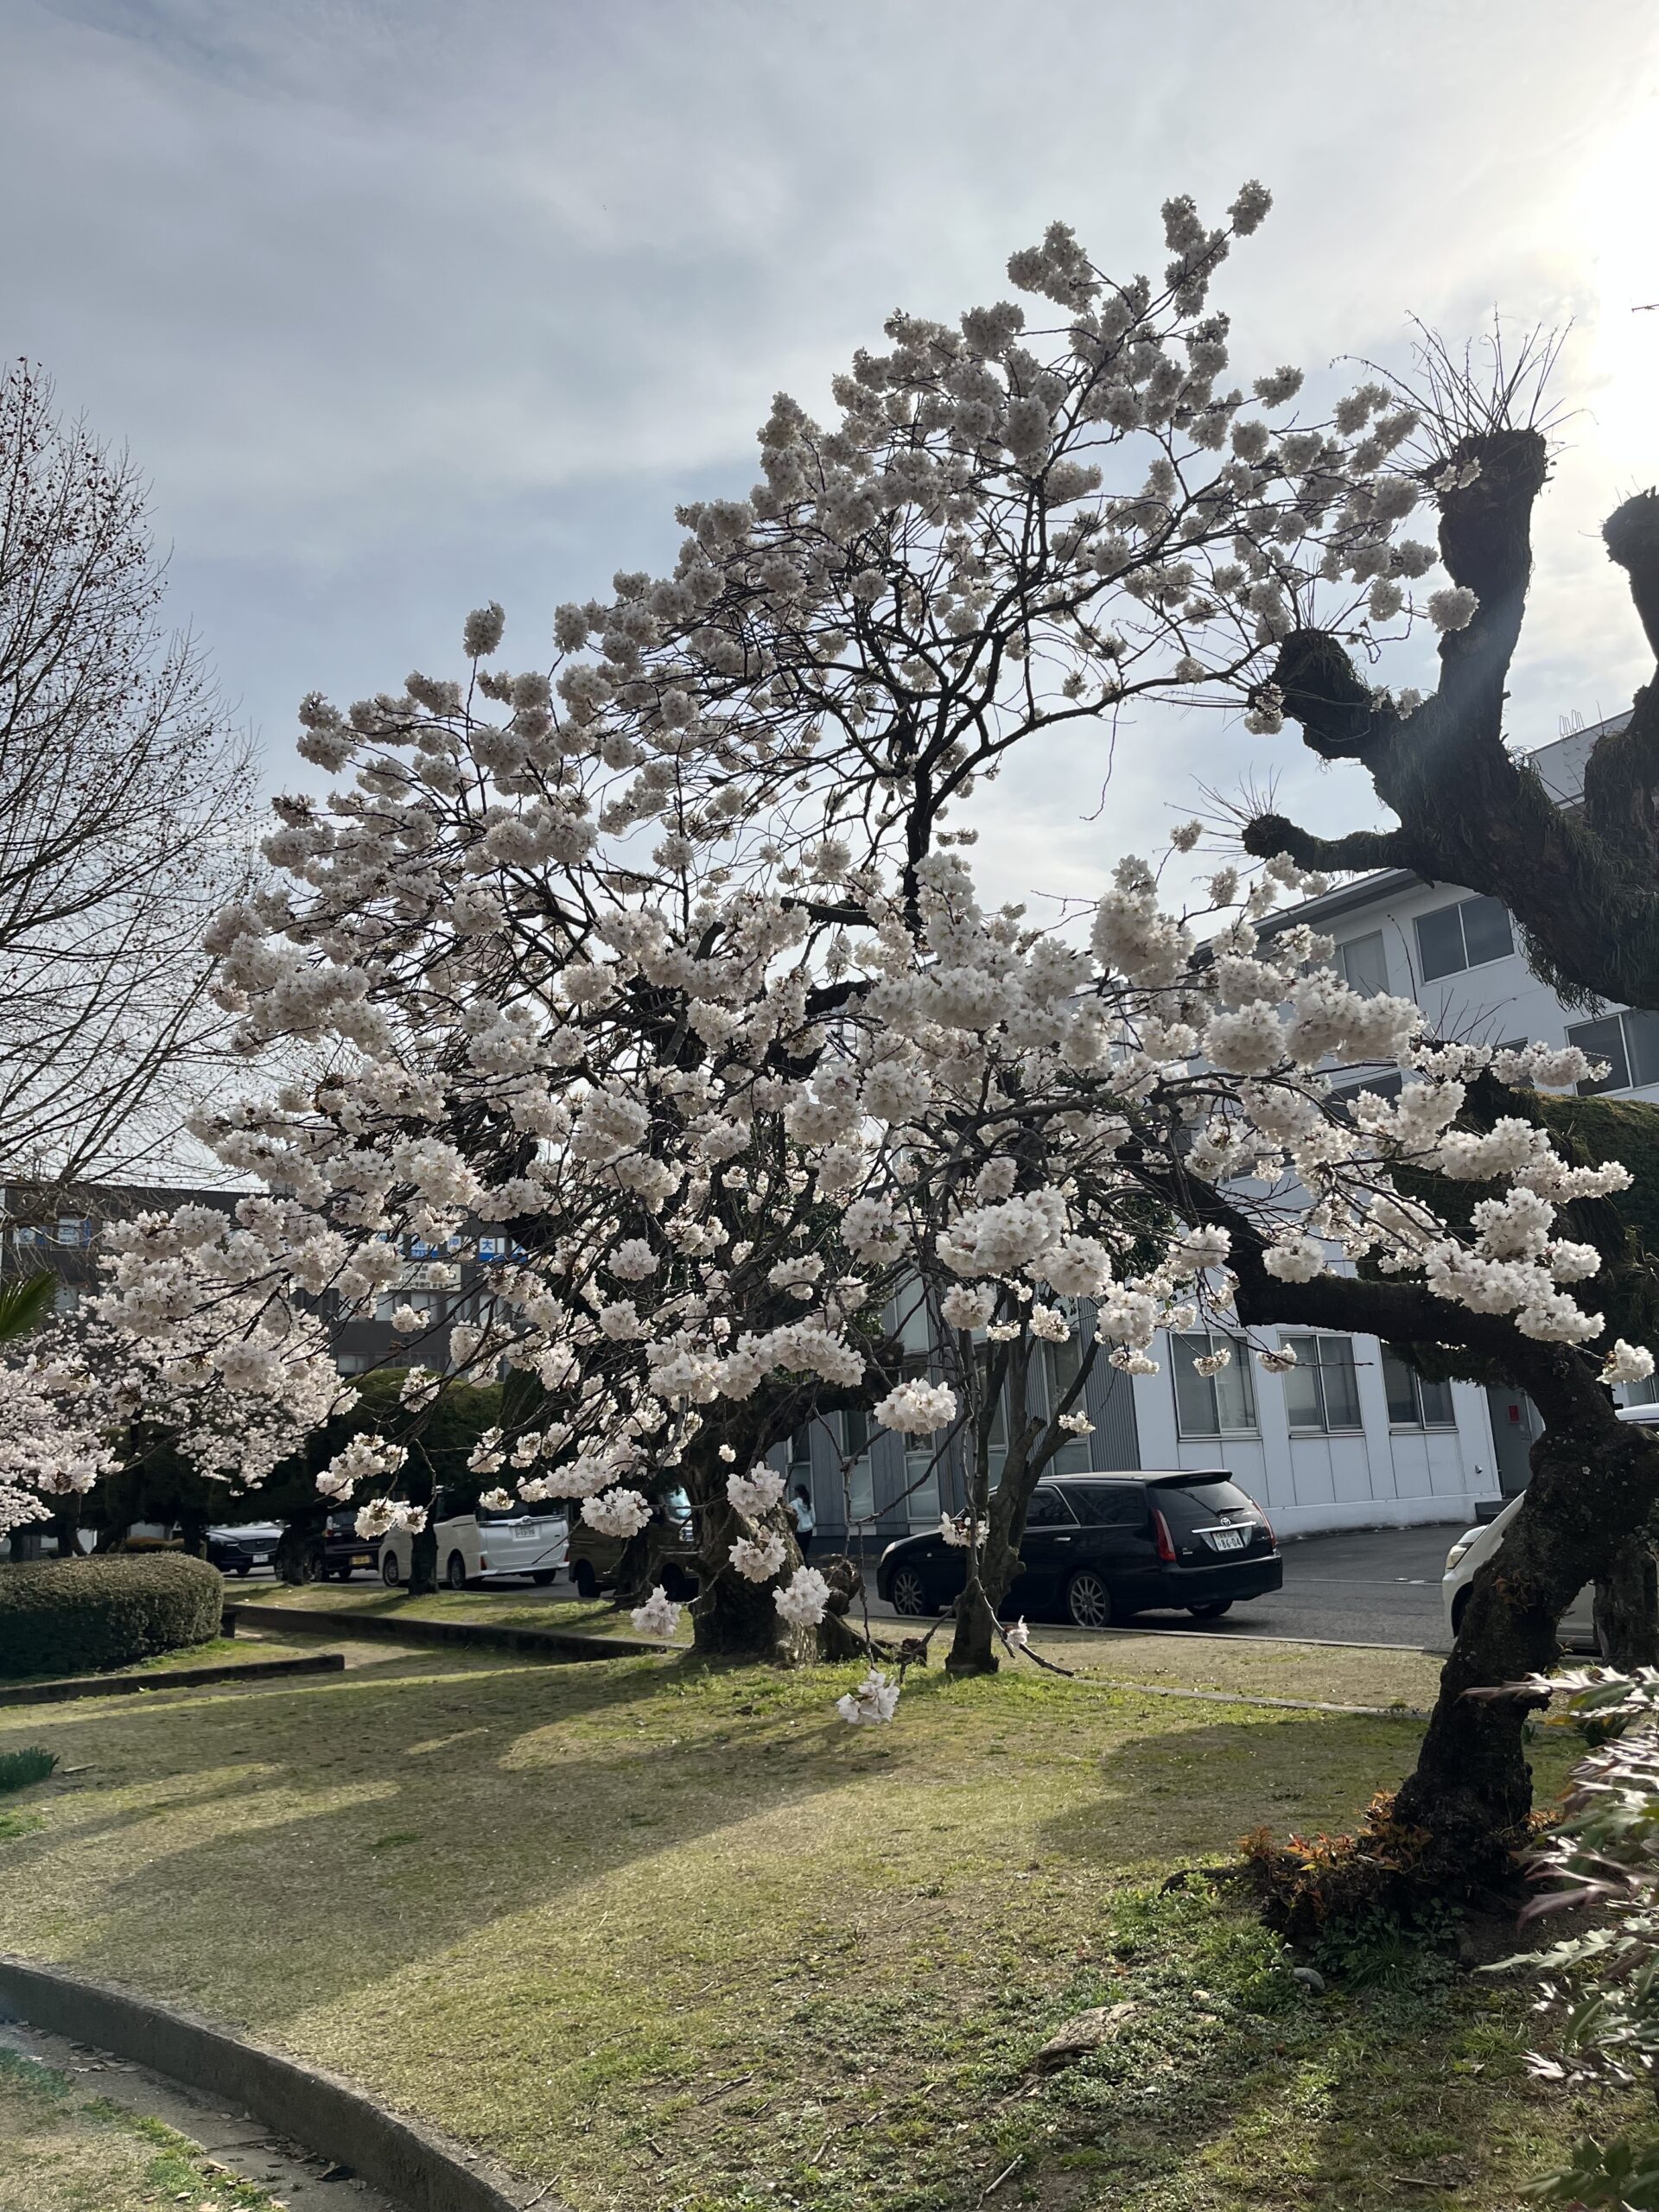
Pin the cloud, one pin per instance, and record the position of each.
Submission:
(405, 307)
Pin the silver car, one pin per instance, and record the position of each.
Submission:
(1476, 1546)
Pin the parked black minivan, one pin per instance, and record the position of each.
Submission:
(1098, 1548)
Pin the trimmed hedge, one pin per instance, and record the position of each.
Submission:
(85, 1616)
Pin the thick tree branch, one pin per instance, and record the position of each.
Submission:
(1584, 885)
(1360, 850)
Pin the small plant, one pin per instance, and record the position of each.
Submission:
(1349, 1890)
(19, 1769)
(1604, 1853)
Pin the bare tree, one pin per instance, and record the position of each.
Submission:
(124, 812)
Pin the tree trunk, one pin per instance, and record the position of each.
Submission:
(192, 1532)
(423, 1549)
(733, 1617)
(297, 1554)
(65, 1525)
(632, 1585)
(1627, 1605)
(1595, 1484)
(1593, 1487)
(973, 1647)
(838, 1639)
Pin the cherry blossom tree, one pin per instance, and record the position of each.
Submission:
(657, 964)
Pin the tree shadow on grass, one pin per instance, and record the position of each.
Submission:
(528, 1898)
(342, 1826)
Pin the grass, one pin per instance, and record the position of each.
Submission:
(19, 1769)
(679, 1941)
(62, 2152)
(514, 1606)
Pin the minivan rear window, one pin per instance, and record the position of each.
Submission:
(1189, 1506)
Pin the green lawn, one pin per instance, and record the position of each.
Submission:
(514, 1604)
(682, 1942)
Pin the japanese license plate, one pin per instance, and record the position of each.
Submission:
(1227, 1540)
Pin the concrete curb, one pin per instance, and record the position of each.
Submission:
(56, 1690)
(1275, 1704)
(418, 2168)
(397, 1628)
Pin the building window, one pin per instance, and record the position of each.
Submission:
(64, 1298)
(907, 1319)
(1466, 935)
(1628, 1042)
(1364, 965)
(1321, 1391)
(431, 1305)
(1060, 1363)
(71, 1229)
(1644, 1393)
(1213, 1404)
(1380, 1086)
(852, 1437)
(1413, 1400)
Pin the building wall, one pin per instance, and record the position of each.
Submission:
(1378, 1476)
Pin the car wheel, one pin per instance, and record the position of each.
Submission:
(543, 1576)
(909, 1591)
(586, 1580)
(1459, 1607)
(389, 1569)
(1088, 1601)
(1213, 1611)
(455, 1571)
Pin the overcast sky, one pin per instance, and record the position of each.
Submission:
(408, 304)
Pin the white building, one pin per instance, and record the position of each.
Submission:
(1350, 1438)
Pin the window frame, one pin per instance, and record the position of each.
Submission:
(1065, 1518)
(1630, 1076)
(1377, 938)
(1459, 907)
(1421, 1425)
(1215, 1339)
(1294, 1340)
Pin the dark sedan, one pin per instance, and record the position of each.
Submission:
(239, 1550)
(343, 1550)
(1098, 1548)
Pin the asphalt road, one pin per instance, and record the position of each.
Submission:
(1368, 1586)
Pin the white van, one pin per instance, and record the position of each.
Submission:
(476, 1543)
(1476, 1546)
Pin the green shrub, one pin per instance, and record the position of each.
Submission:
(72, 1617)
(19, 1769)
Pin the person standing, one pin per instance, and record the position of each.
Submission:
(800, 1511)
